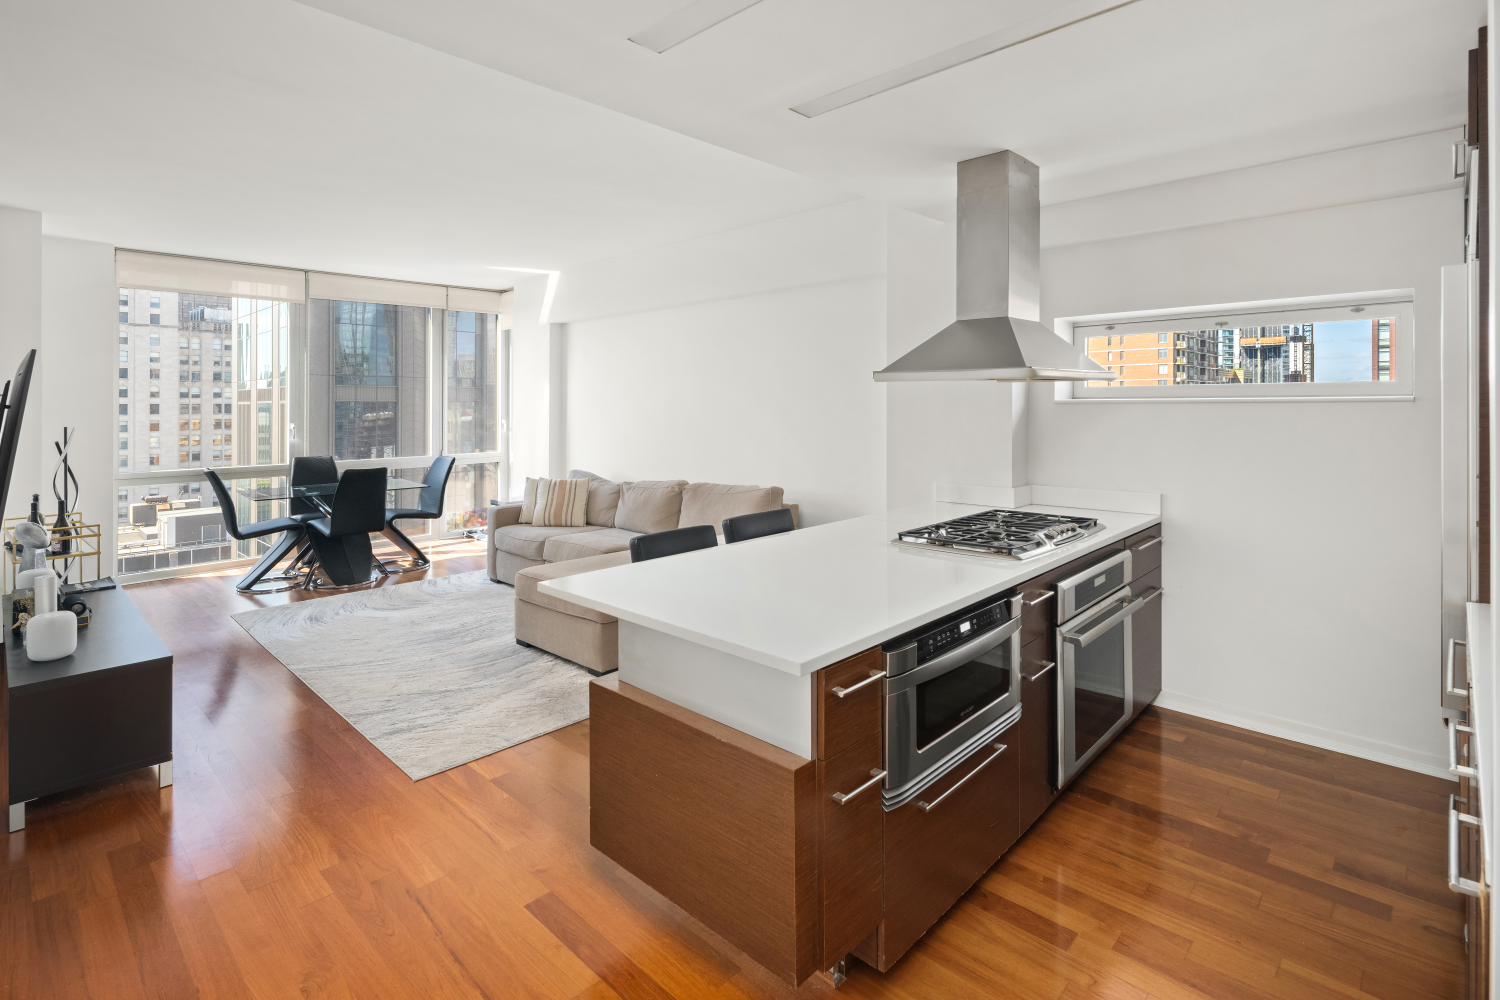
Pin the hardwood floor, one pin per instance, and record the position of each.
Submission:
(1193, 860)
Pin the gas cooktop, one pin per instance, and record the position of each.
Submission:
(1012, 534)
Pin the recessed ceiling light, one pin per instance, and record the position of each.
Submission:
(687, 22)
(1036, 27)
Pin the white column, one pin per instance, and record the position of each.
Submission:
(80, 354)
(20, 331)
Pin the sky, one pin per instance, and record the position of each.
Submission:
(1341, 351)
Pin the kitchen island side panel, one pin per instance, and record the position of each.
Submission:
(722, 824)
(766, 703)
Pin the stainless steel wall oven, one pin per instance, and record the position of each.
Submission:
(1094, 608)
(950, 689)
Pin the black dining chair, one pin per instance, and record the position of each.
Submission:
(673, 542)
(342, 539)
(757, 525)
(429, 506)
(292, 534)
(310, 470)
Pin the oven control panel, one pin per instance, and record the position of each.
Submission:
(956, 633)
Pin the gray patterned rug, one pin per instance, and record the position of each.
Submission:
(429, 671)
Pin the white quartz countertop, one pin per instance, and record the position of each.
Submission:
(801, 600)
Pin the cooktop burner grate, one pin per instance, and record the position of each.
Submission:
(1017, 534)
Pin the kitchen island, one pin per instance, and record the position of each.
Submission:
(733, 755)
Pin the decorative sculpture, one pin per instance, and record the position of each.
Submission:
(32, 542)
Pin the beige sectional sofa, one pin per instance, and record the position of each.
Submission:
(524, 555)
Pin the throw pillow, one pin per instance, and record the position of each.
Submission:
(712, 503)
(650, 506)
(604, 498)
(561, 503)
(528, 500)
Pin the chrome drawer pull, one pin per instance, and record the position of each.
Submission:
(875, 675)
(876, 775)
(1047, 666)
(1146, 544)
(1046, 596)
(1454, 767)
(929, 806)
(1448, 675)
(1456, 881)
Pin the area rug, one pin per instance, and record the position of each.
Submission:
(427, 671)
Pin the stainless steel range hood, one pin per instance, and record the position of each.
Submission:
(997, 335)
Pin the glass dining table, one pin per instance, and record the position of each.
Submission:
(321, 496)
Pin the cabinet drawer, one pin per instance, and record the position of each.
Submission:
(855, 716)
(850, 866)
(1145, 641)
(933, 856)
(1039, 612)
(1145, 551)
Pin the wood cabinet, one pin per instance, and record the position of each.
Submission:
(1145, 644)
(719, 822)
(938, 846)
(850, 848)
(1035, 736)
(847, 698)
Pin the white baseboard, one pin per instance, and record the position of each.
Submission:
(1300, 732)
(1049, 496)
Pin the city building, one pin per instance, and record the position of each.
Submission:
(1380, 349)
(1171, 358)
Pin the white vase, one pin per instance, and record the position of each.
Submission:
(50, 634)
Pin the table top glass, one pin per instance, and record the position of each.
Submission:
(317, 490)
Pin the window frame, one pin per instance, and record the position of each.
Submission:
(1400, 303)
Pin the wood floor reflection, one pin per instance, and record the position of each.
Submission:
(1192, 860)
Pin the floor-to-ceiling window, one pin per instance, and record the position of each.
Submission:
(242, 368)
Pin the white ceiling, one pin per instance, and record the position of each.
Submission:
(269, 132)
(1157, 91)
(377, 137)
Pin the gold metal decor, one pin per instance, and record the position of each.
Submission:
(85, 539)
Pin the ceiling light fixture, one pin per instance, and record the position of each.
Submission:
(683, 24)
(1036, 27)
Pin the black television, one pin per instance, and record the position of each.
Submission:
(12, 408)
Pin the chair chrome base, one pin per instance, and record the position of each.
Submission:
(322, 583)
(404, 565)
(260, 589)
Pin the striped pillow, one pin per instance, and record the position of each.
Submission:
(561, 503)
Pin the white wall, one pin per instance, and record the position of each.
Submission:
(531, 377)
(1303, 540)
(80, 326)
(740, 358)
(20, 331)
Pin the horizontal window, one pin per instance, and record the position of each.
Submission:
(1330, 347)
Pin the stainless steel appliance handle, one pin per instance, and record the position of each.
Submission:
(969, 650)
(1448, 673)
(875, 675)
(1082, 639)
(1047, 666)
(1146, 544)
(1454, 768)
(876, 776)
(1046, 596)
(930, 806)
(1456, 881)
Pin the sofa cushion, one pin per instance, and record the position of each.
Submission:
(528, 500)
(594, 543)
(604, 497)
(561, 503)
(653, 505)
(528, 578)
(526, 540)
(711, 503)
